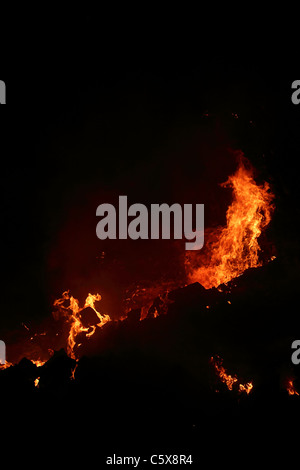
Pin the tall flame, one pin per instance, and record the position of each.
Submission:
(234, 248)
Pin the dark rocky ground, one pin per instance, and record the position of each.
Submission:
(141, 386)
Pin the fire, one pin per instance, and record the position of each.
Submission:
(72, 313)
(228, 379)
(291, 389)
(230, 250)
(38, 363)
(246, 387)
(5, 365)
(36, 382)
(72, 377)
(234, 248)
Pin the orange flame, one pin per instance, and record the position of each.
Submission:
(5, 365)
(234, 248)
(72, 312)
(291, 389)
(228, 379)
(72, 377)
(38, 363)
(246, 387)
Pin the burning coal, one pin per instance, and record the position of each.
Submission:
(232, 249)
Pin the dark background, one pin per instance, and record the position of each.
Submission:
(97, 108)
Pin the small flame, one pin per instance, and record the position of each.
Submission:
(291, 388)
(228, 379)
(72, 377)
(234, 248)
(36, 382)
(72, 312)
(5, 365)
(246, 387)
(38, 363)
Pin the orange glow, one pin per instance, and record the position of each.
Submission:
(151, 300)
(36, 382)
(291, 389)
(228, 379)
(232, 249)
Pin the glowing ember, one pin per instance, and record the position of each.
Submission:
(72, 313)
(152, 300)
(36, 382)
(228, 379)
(234, 248)
(291, 389)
